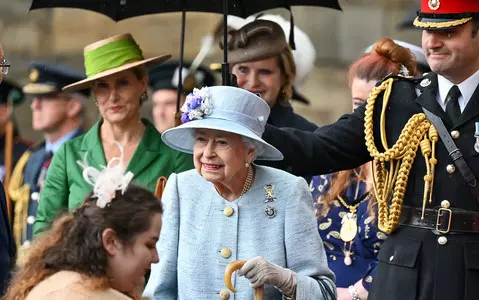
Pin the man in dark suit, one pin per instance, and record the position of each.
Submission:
(7, 244)
(58, 115)
(433, 250)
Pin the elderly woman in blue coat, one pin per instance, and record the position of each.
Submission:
(229, 208)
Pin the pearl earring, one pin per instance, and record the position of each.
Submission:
(246, 164)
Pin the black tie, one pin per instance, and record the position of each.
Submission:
(452, 104)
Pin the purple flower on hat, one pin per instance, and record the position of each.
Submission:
(197, 104)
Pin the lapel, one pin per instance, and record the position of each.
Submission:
(147, 151)
(427, 98)
(91, 144)
(36, 161)
(471, 110)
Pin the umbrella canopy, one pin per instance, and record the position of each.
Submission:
(123, 9)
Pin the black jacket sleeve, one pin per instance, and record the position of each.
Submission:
(334, 147)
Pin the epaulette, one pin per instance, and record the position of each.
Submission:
(402, 77)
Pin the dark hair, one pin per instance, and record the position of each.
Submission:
(385, 58)
(75, 242)
(140, 72)
(475, 26)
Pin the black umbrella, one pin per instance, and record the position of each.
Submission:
(123, 9)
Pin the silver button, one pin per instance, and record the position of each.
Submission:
(442, 240)
(31, 220)
(455, 134)
(450, 169)
(26, 244)
(391, 258)
(445, 204)
(35, 196)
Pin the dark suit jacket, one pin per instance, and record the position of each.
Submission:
(418, 269)
(7, 244)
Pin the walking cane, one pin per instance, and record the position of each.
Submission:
(236, 265)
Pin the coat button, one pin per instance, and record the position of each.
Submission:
(445, 204)
(442, 240)
(35, 196)
(31, 220)
(226, 252)
(450, 169)
(228, 211)
(224, 294)
(391, 258)
(455, 134)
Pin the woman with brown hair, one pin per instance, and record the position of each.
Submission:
(102, 251)
(263, 64)
(345, 203)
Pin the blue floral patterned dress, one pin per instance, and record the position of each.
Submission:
(366, 243)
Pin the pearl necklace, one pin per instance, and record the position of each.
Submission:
(248, 182)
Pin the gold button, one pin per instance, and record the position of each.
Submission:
(228, 211)
(31, 220)
(442, 240)
(455, 134)
(226, 252)
(224, 294)
(445, 204)
(450, 169)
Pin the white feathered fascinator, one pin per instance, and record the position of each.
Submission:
(107, 181)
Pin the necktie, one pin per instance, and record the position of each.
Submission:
(452, 104)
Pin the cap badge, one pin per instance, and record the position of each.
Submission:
(434, 4)
(34, 74)
(425, 82)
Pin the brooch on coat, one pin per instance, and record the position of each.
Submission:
(269, 210)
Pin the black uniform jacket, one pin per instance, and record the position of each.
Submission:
(412, 264)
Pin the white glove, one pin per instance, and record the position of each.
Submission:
(259, 271)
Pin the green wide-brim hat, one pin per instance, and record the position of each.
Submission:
(112, 55)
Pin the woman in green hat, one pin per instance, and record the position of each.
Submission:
(116, 73)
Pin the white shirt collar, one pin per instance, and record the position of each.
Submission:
(467, 88)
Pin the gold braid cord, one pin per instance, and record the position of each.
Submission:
(391, 168)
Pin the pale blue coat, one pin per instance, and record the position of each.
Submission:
(196, 229)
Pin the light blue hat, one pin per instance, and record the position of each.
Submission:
(227, 109)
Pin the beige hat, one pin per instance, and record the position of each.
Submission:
(110, 56)
(255, 41)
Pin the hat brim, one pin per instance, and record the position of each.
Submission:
(182, 138)
(87, 83)
(439, 24)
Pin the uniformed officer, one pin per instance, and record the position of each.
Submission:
(163, 81)
(58, 115)
(11, 145)
(433, 250)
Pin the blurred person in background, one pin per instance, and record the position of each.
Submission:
(119, 87)
(7, 243)
(346, 207)
(58, 116)
(163, 82)
(11, 95)
(263, 64)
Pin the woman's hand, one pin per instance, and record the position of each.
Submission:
(259, 271)
(343, 294)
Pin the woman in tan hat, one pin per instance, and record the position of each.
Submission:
(263, 63)
(116, 73)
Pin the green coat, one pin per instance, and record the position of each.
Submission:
(65, 187)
